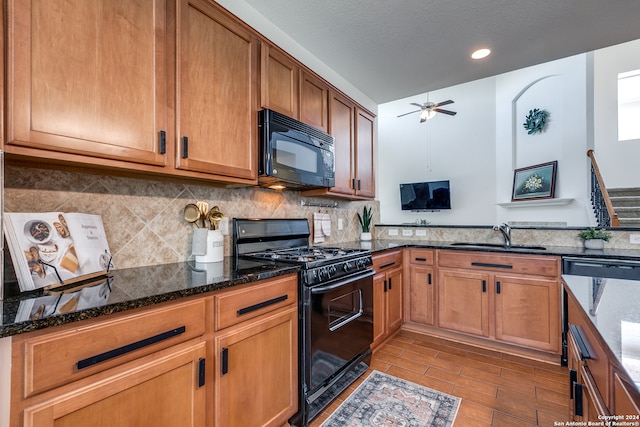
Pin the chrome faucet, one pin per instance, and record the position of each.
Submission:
(506, 233)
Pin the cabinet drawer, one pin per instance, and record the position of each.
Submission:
(57, 358)
(237, 305)
(421, 256)
(521, 264)
(387, 260)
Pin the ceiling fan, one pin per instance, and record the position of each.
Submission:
(429, 109)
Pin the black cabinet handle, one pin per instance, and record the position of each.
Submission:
(428, 278)
(262, 304)
(353, 183)
(484, 286)
(389, 283)
(162, 142)
(385, 285)
(225, 360)
(359, 188)
(577, 399)
(580, 340)
(573, 378)
(497, 287)
(488, 264)
(420, 259)
(185, 147)
(388, 264)
(102, 357)
(201, 370)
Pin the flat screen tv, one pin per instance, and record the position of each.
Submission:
(421, 196)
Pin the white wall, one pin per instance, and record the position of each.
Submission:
(459, 148)
(618, 161)
(478, 149)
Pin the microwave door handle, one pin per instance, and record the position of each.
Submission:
(351, 318)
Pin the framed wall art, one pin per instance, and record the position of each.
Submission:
(534, 182)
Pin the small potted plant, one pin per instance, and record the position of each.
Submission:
(365, 223)
(594, 238)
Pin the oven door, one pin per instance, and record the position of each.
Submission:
(341, 326)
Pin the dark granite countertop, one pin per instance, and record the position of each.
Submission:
(128, 289)
(385, 244)
(613, 308)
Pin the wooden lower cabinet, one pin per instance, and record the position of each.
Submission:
(387, 296)
(463, 301)
(422, 294)
(256, 371)
(475, 297)
(162, 389)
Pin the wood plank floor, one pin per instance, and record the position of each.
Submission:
(496, 389)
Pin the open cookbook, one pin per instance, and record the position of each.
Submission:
(56, 248)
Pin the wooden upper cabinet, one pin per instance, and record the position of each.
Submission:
(279, 89)
(365, 131)
(314, 94)
(87, 77)
(342, 127)
(216, 127)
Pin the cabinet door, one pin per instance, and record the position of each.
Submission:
(527, 311)
(257, 372)
(463, 301)
(217, 123)
(379, 308)
(313, 101)
(279, 81)
(159, 390)
(394, 300)
(88, 78)
(365, 131)
(421, 299)
(341, 126)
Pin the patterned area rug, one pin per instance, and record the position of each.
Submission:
(383, 400)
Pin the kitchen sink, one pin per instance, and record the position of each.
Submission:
(498, 246)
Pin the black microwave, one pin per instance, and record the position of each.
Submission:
(293, 154)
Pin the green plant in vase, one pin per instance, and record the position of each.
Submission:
(594, 238)
(365, 223)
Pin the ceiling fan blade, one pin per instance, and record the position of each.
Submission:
(451, 113)
(417, 105)
(447, 102)
(410, 112)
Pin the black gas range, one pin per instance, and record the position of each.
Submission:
(335, 305)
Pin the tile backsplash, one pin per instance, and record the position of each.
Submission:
(143, 219)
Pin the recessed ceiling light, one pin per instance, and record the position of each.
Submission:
(481, 53)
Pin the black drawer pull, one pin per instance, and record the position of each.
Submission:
(573, 378)
(577, 335)
(94, 360)
(420, 259)
(162, 149)
(388, 264)
(262, 304)
(428, 278)
(497, 287)
(225, 360)
(488, 264)
(201, 370)
(577, 399)
(185, 147)
(484, 286)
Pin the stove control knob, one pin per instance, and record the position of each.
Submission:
(347, 266)
(332, 270)
(322, 273)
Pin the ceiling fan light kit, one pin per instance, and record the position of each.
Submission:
(428, 110)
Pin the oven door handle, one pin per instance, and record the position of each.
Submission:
(351, 318)
(344, 281)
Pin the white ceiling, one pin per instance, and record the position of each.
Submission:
(391, 49)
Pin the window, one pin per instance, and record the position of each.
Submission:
(629, 105)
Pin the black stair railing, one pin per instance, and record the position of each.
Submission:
(602, 207)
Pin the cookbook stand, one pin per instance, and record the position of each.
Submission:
(77, 283)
